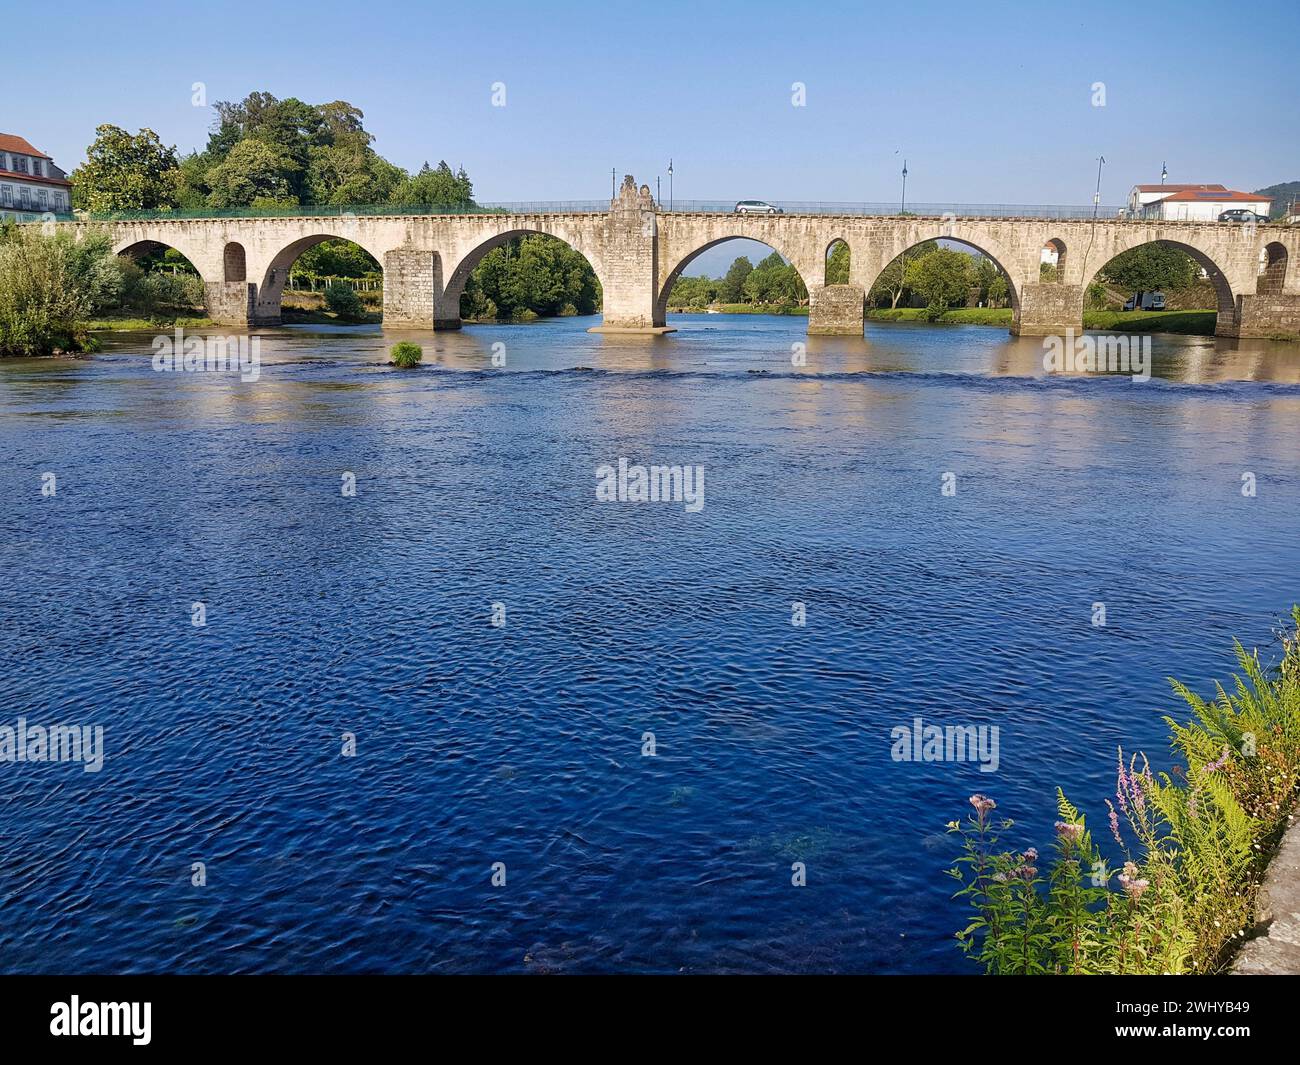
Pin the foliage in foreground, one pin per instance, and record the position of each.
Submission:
(406, 354)
(43, 300)
(1194, 844)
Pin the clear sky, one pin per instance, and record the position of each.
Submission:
(989, 103)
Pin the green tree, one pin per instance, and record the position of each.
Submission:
(890, 287)
(126, 172)
(438, 187)
(254, 171)
(941, 277)
(732, 289)
(1151, 266)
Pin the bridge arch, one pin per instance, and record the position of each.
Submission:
(447, 311)
(839, 267)
(234, 262)
(1057, 246)
(270, 290)
(661, 299)
(136, 246)
(1224, 295)
(1273, 276)
(986, 247)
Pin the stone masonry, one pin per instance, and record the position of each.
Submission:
(638, 251)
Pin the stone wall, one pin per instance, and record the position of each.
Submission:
(230, 302)
(1048, 309)
(411, 286)
(1266, 316)
(836, 310)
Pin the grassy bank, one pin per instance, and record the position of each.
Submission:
(1192, 323)
(126, 324)
(1176, 892)
(744, 308)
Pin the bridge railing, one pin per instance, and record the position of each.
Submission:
(798, 207)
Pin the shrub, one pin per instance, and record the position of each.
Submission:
(343, 301)
(405, 355)
(1193, 842)
(43, 302)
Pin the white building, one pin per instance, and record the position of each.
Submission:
(1191, 203)
(30, 183)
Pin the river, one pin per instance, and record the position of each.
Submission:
(525, 744)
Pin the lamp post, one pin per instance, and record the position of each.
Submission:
(613, 184)
(670, 184)
(1164, 172)
(902, 203)
(658, 195)
(1096, 196)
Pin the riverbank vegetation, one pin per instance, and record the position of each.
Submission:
(55, 290)
(1191, 323)
(773, 286)
(1176, 893)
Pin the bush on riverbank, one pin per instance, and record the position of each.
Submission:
(44, 299)
(1194, 844)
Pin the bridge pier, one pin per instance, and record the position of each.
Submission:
(836, 310)
(1264, 317)
(412, 284)
(631, 261)
(230, 302)
(1048, 309)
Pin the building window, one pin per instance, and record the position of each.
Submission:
(42, 197)
(7, 195)
(20, 164)
(37, 168)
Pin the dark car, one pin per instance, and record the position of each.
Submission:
(1240, 214)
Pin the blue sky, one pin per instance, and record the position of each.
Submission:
(989, 103)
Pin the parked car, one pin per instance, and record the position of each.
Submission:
(1241, 214)
(756, 207)
(1145, 301)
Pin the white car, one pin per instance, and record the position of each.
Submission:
(756, 207)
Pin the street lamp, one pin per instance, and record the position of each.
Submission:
(1096, 196)
(902, 203)
(1164, 172)
(670, 185)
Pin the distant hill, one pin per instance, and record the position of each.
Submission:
(1284, 194)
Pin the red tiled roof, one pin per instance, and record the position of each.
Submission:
(9, 175)
(10, 142)
(1181, 188)
(1219, 195)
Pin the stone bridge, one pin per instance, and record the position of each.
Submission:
(638, 251)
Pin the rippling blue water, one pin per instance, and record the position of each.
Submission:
(522, 744)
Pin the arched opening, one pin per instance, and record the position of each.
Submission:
(323, 277)
(1272, 270)
(736, 274)
(938, 275)
(1051, 266)
(522, 275)
(153, 280)
(1161, 275)
(838, 262)
(234, 262)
